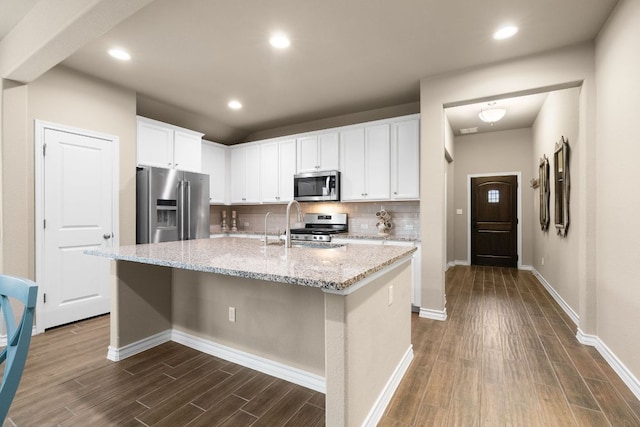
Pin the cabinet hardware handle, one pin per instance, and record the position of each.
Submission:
(106, 236)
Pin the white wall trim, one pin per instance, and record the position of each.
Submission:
(39, 131)
(267, 366)
(120, 353)
(428, 313)
(461, 262)
(616, 364)
(378, 408)
(556, 296)
(526, 267)
(519, 209)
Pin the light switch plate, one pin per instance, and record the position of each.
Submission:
(458, 211)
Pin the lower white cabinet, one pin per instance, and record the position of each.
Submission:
(214, 163)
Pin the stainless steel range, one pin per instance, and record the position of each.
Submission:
(319, 227)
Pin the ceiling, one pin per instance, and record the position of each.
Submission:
(345, 56)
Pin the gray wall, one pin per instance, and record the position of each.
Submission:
(491, 153)
(618, 193)
(558, 117)
(68, 98)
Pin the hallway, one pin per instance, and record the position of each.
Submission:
(506, 355)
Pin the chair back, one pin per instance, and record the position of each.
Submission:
(14, 354)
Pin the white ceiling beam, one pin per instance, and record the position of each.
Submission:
(53, 30)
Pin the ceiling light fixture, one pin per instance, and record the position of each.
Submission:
(280, 41)
(234, 104)
(491, 115)
(505, 32)
(120, 54)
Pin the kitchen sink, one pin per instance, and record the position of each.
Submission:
(316, 245)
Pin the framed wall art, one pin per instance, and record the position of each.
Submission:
(543, 184)
(562, 185)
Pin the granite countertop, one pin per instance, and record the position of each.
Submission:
(335, 268)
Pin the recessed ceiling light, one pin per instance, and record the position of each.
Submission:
(234, 104)
(120, 54)
(505, 32)
(280, 41)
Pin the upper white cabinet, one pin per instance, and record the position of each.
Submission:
(405, 159)
(318, 152)
(277, 167)
(168, 146)
(245, 174)
(214, 163)
(365, 163)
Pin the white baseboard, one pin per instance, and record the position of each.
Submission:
(526, 267)
(117, 354)
(623, 372)
(267, 366)
(461, 262)
(376, 412)
(556, 296)
(433, 314)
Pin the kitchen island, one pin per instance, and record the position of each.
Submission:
(335, 319)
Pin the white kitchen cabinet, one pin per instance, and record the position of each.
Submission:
(245, 174)
(163, 145)
(214, 163)
(318, 152)
(405, 160)
(365, 163)
(277, 167)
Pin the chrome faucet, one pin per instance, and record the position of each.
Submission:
(266, 239)
(288, 225)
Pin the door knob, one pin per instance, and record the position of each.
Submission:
(106, 236)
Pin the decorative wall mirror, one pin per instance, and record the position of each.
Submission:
(543, 184)
(562, 186)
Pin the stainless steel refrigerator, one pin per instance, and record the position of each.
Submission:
(171, 205)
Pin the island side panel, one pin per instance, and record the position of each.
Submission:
(278, 321)
(140, 302)
(367, 339)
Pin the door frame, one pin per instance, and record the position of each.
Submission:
(39, 131)
(518, 176)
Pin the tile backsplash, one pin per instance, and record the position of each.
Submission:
(405, 216)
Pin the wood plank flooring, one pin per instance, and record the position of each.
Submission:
(507, 355)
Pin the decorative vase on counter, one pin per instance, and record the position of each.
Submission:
(384, 221)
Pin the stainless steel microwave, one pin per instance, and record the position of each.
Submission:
(319, 186)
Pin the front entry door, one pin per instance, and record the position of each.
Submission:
(494, 221)
(78, 215)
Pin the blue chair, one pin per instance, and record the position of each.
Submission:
(14, 355)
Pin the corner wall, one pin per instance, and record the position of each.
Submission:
(618, 152)
(73, 99)
(558, 117)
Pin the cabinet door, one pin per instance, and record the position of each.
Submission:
(155, 145)
(287, 168)
(353, 161)
(214, 164)
(377, 147)
(307, 157)
(329, 151)
(252, 174)
(269, 187)
(237, 175)
(187, 151)
(405, 160)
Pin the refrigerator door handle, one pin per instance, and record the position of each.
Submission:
(188, 209)
(181, 210)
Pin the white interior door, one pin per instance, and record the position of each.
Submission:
(78, 215)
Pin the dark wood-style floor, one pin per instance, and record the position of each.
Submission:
(507, 355)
